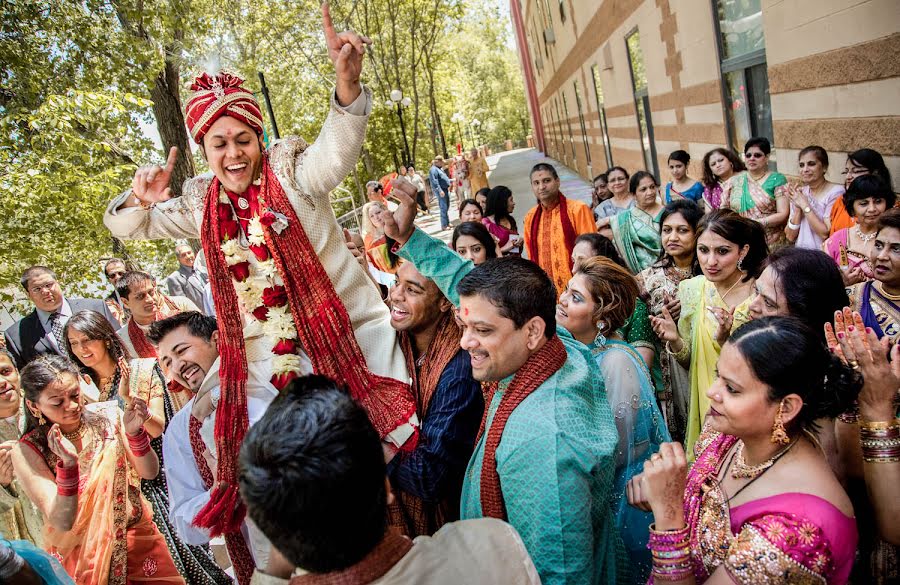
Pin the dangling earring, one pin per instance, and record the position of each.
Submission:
(40, 418)
(779, 435)
(740, 264)
(600, 339)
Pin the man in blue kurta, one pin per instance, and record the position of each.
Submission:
(544, 460)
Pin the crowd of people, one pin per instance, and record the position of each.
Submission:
(671, 385)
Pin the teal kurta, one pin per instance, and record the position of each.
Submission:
(556, 456)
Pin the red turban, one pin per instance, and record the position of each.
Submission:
(219, 96)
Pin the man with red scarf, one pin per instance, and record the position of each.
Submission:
(552, 225)
(283, 281)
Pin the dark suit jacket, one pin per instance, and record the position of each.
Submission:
(26, 338)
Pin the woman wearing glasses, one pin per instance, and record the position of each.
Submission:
(864, 161)
(757, 195)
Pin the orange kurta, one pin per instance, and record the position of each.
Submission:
(478, 169)
(553, 255)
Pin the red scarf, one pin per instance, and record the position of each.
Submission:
(372, 567)
(539, 367)
(568, 231)
(323, 328)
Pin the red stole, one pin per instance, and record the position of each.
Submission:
(539, 367)
(568, 231)
(145, 349)
(373, 566)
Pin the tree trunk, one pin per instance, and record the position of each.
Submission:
(170, 122)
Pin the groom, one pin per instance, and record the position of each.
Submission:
(285, 286)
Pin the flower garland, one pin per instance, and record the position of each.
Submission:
(257, 282)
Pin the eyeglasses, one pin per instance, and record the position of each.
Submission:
(36, 290)
(754, 155)
(115, 275)
(855, 171)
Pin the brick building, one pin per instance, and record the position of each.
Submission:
(627, 81)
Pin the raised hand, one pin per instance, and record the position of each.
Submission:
(354, 248)
(662, 485)
(726, 320)
(665, 327)
(62, 447)
(151, 182)
(346, 51)
(6, 467)
(135, 415)
(400, 225)
(673, 305)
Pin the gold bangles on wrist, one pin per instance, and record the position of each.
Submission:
(880, 441)
(680, 355)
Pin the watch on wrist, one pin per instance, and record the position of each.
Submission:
(806, 209)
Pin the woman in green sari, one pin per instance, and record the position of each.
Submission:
(756, 193)
(636, 230)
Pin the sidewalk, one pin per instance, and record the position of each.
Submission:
(511, 169)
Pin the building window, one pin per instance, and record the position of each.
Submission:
(559, 126)
(745, 81)
(601, 110)
(562, 10)
(584, 136)
(641, 100)
(569, 126)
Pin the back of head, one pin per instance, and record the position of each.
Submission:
(812, 285)
(790, 358)
(131, 279)
(740, 231)
(519, 289)
(198, 325)
(601, 246)
(313, 477)
(871, 160)
(614, 289)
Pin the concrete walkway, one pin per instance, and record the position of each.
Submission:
(511, 169)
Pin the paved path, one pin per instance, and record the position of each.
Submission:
(511, 169)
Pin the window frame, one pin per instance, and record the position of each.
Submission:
(601, 113)
(643, 96)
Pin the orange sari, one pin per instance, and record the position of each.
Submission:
(113, 540)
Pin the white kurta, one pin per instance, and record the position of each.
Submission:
(187, 493)
(307, 177)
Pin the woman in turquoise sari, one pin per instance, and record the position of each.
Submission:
(636, 230)
(596, 303)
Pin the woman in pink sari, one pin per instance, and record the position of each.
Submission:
(760, 504)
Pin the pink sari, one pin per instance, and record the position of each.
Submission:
(840, 239)
(784, 539)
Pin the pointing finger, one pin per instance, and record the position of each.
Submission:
(330, 37)
(173, 156)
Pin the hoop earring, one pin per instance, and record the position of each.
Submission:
(779, 435)
(600, 339)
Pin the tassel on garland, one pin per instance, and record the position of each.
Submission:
(224, 513)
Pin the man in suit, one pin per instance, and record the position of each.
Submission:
(41, 331)
(187, 281)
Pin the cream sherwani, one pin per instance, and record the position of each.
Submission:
(307, 175)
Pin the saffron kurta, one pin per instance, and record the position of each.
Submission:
(555, 458)
(553, 254)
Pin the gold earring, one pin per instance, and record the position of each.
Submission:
(40, 418)
(778, 433)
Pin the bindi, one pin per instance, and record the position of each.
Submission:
(466, 312)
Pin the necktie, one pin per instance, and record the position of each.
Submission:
(56, 327)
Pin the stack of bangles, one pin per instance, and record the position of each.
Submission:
(671, 552)
(880, 441)
(139, 443)
(67, 480)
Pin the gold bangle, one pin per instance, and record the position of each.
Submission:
(879, 425)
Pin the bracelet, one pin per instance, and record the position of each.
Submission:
(793, 226)
(679, 355)
(880, 441)
(144, 205)
(67, 480)
(139, 443)
(671, 552)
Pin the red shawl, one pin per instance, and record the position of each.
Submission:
(323, 328)
(568, 231)
(534, 372)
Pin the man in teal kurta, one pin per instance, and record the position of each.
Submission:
(555, 455)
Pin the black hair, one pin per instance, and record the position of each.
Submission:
(610, 170)
(312, 474)
(36, 376)
(709, 178)
(112, 261)
(544, 167)
(786, 355)
(483, 191)
(498, 206)
(519, 289)
(889, 219)
(198, 325)
(33, 271)
(681, 156)
(693, 215)
(872, 160)
(95, 327)
(820, 153)
(742, 232)
(601, 176)
(477, 231)
(466, 202)
(812, 285)
(130, 279)
(602, 246)
(760, 142)
(865, 186)
(636, 179)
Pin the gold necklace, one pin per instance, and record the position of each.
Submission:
(77, 433)
(885, 293)
(736, 282)
(740, 469)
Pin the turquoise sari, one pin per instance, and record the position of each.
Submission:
(636, 236)
(641, 429)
